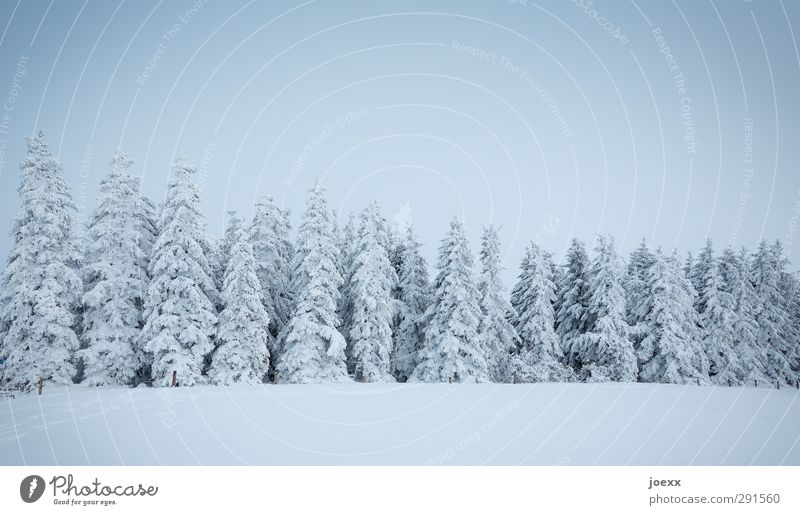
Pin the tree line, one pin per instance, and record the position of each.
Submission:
(145, 294)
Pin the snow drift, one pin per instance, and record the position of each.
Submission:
(411, 424)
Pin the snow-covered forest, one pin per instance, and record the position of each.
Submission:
(145, 294)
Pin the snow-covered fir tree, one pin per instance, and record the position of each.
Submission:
(397, 247)
(737, 278)
(499, 336)
(605, 351)
(453, 347)
(670, 351)
(688, 267)
(119, 237)
(699, 274)
(148, 234)
(348, 243)
(180, 313)
(540, 355)
(555, 271)
(337, 241)
(343, 266)
(636, 290)
(243, 338)
(717, 324)
(555, 278)
(233, 226)
(788, 289)
(771, 313)
(273, 251)
(573, 299)
(212, 249)
(313, 350)
(791, 293)
(41, 284)
(413, 296)
(371, 305)
(347, 250)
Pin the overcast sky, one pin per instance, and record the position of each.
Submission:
(672, 121)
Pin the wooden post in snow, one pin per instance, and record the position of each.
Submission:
(174, 378)
(40, 385)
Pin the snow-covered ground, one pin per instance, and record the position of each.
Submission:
(544, 424)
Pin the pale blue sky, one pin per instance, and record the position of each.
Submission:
(531, 115)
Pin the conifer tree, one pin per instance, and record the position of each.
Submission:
(636, 290)
(233, 226)
(787, 285)
(604, 351)
(688, 266)
(212, 250)
(717, 323)
(313, 350)
(180, 312)
(41, 284)
(347, 250)
(396, 248)
(243, 337)
(498, 333)
(573, 299)
(791, 293)
(371, 286)
(670, 351)
(273, 252)
(337, 241)
(738, 281)
(119, 235)
(453, 349)
(700, 273)
(771, 313)
(413, 298)
(540, 355)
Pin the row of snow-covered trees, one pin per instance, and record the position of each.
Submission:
(146, 293)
